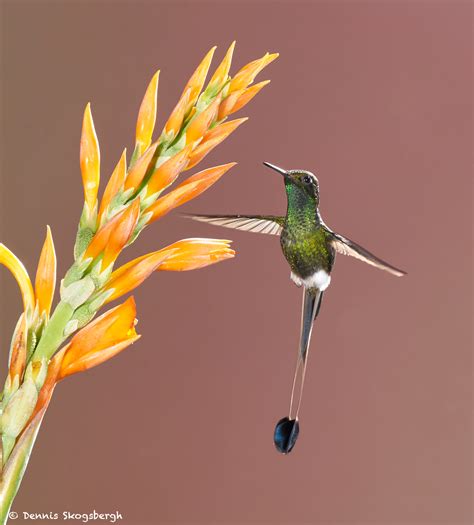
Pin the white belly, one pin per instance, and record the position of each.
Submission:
(319, 280)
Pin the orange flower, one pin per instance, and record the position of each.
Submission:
(114, 235)
(228, 103)
(46, 275)
(245, 96)
(201, 122)
(213, 138)
(187, 190)
(115, 183)
(167, 173)
(100, 340)
(191, 254)
(140, 168)
(18, 352)
(90, 160)
(247, 74)
(175, 120)
(220, 75)
(196, 82)
(9, 259)
(130, 275)
(147, 115)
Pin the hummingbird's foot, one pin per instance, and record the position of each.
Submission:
(286, 434)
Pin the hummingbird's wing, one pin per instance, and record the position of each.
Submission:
(268, 224)
(347, 247)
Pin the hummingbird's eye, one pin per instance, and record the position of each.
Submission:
(307, 179)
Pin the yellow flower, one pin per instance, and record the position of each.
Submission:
(147, 115)
(11, 261)
(90, 160)
(101, 339)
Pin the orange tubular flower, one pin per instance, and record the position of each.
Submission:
(130, 275)
(167, 173)
(175, 120)
(139, 169)
(9, 259)
(103, 338)
(247, 95)
(115, 183)
(46, 275)
(113, 233)
(221, 73)
(191, 254)
(147, 115)
(228, 103)
(247, 74)
(187, 190)
(200, 124)
(213, 138)
(196, 82)
(120, 235)
(90, 160)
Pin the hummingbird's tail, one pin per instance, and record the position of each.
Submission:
(287, 429)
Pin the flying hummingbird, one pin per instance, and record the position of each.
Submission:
(310, 248)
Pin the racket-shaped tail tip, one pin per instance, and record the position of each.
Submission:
(286, 434)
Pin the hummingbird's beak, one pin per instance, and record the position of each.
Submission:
(276, 168)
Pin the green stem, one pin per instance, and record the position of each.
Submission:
(53, 334)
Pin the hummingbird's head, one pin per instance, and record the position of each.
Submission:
(304, 182)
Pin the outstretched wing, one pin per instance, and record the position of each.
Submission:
(268, 224)
(348, 247)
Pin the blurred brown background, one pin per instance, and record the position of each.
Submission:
(375, 97)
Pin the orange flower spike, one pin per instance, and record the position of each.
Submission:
(176, 118)
(247, 95)
(147, 115)
(11, 261)
(191, 254)
(130, 275)
(220, 75)
(196, 82)
(167, 173)
(115, 327)
(139, 169)
(45, 281)
(247, 74)
(212, 139)
(121, 234)
(201, 122)
(90, 160)
(115, 183)
(18, 353)
(187, 190)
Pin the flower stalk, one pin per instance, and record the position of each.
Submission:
(47, 348)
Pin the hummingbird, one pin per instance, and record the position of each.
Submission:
(310, 247)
